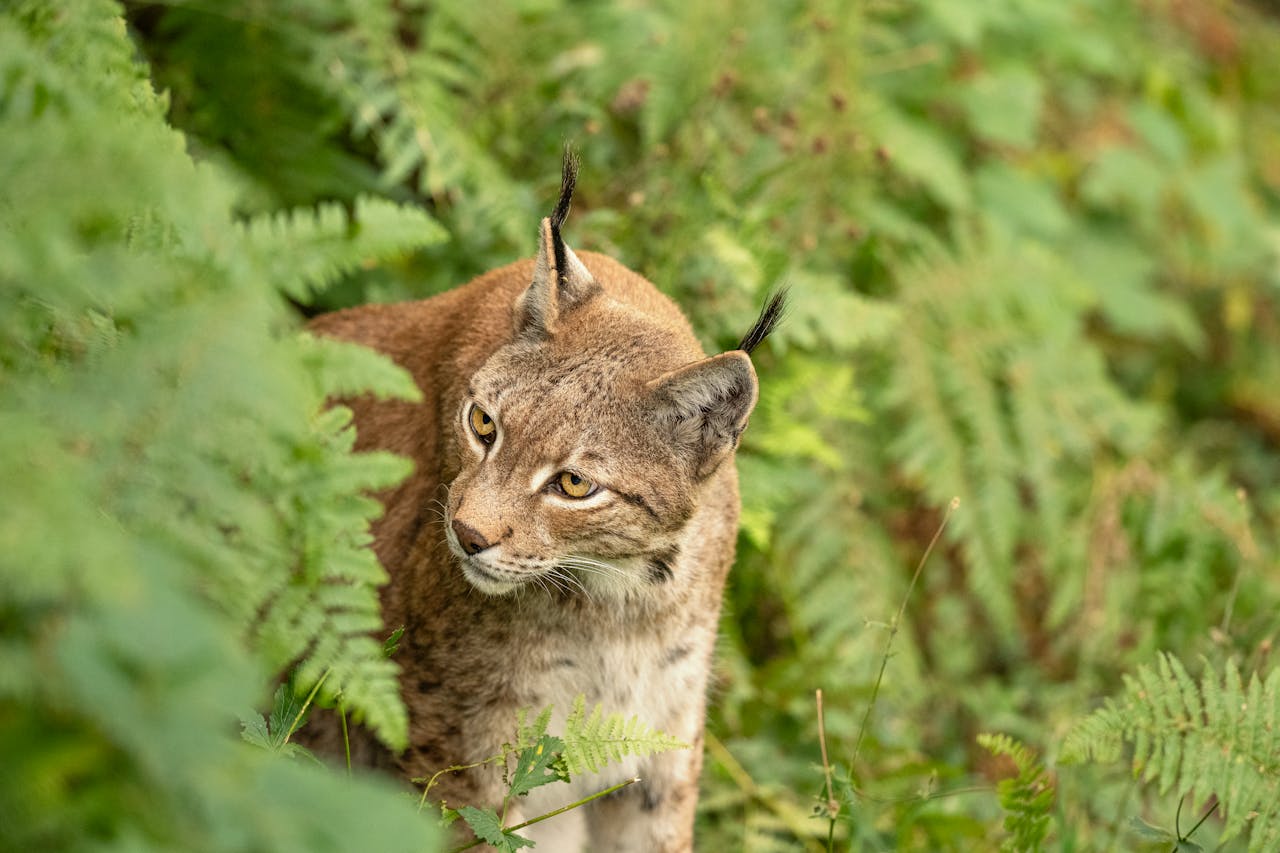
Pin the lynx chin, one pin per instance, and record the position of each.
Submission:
(567, 529)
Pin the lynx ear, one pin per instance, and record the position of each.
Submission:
(560, 281)
(704, 407)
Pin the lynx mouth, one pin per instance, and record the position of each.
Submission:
(481, 575)
(488, 580)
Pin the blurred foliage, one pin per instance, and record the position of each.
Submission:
(180, 518)
(1034, 251)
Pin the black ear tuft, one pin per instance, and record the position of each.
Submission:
(568, 180)
(770, 316)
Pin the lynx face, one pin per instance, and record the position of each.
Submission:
(570, 477)
(587, 438)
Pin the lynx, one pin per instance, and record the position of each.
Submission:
(567, 529)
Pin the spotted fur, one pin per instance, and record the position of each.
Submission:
(513, 595)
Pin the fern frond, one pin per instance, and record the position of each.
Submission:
(1027, 798)
(529, 733)
(1216, 737)
(343, 369)
(1006, 403)
(592, 741)
(303, 251)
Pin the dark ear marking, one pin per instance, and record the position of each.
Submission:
(703, 407)
(568, 182)
(772, 313)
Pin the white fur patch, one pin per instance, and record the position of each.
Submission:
(625, 675)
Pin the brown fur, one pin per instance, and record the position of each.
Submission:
(587, 367)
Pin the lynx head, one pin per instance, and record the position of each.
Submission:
(587, 438)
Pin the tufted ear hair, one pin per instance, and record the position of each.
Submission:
(560, 280)
(704, 407)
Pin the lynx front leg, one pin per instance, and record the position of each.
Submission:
(655, 815)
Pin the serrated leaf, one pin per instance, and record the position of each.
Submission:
(487, 827)
(254, 730)
(538, 765)
(1205, 744)
(288, 712)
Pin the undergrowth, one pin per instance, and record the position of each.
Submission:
(1032, 249)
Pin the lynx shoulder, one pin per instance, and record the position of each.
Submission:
(568, 526)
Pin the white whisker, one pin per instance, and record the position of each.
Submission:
(568, 582)
(597, 577)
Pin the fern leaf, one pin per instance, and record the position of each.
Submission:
(528, 734)
(1215, 737)
(341, 369)
(1027, 798)
(592, 741)
(306, 250)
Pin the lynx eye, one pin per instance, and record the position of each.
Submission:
(483, 425)
(574, 485)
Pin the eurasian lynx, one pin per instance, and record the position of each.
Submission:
(578, 446)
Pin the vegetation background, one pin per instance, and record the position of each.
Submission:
(1034, 253)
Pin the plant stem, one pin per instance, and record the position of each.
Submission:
(454, 769)
(893, 631)
(346, 739)
(1211, 810)
(833, 805)
(575, 804)
(753, 793)
(606, 792)
(297, 720)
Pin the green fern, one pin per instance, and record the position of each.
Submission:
(1216, 737)
(1027, 798)
(1004, 402)
(184, 516)
(305, 250)
(590, 742)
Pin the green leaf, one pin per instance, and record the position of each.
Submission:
(1147, 833)
(919, 151)
(487, 827)
(1020, 202)
(1124, 177)
(391, 644)
(1161, 133)
(1004, 106)
(538, 765)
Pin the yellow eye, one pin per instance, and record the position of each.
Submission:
(575, 485)
(483, 425)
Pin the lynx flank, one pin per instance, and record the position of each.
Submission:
(568, 527)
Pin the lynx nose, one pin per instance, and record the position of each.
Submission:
(471, 540)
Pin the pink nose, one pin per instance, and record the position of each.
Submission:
(471, 540)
